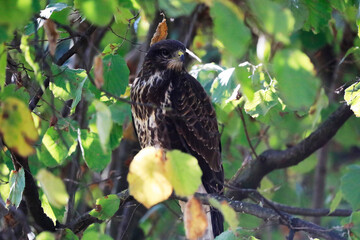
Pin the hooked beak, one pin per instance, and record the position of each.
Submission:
(191, 54)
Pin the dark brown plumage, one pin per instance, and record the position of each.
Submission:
(171, 110)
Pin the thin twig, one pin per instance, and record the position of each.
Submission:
(241, 114)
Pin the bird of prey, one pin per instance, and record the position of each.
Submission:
(171, 110)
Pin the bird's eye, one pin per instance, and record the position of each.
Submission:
(165, 52)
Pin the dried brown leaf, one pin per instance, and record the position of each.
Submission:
(98, 71)
(161, 32)
(194, 219)
(51, 34)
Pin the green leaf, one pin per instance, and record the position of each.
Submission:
(262, 102)
(14, 14)
(273, 18)
(106, 207)
(98, 12)
(229, 27)
(53, 187)
(120, 112)
(297, 83)
(348, 52)
(92, 151)
(305, 166)
(12, 90)
(206, 74)
(174, 8)
(224, 86)
(227, 235)
(319, 15)
(103, 123)
(183, 172)
(352, 98)
(25, 47)
(67, 234)
(92, 235)
(243, 76)
(116, 74)
(115, 136)
(336, 201)
(45, 236)
(17, 186)
(68, 83)
(3, 58)
(59, 144)
(227, 211)
(350, 190)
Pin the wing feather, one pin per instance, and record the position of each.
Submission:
(195, 120)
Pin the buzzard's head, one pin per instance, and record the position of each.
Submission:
(166, 54)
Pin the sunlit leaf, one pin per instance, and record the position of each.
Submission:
(297, 83)
(14, 14)
(229, 27)
(53, 187)
(45, 236)
(59, 144)
(147, 180)
(273, 18)
(17, 126)
(103, 123)
(106, 207)
(350, 190)
(17, 186)
(262, 102)
(183, 172)
(223, 86)
(352, 98)
(98, 12)
(195, 220)
(227, 211)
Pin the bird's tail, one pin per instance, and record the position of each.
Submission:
(217, 221)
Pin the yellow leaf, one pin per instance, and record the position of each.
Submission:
(194, 219)
(17, 126)
(53, 187)
(147, 181)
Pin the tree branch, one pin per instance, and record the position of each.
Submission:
(256, 210)
(251, 174)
